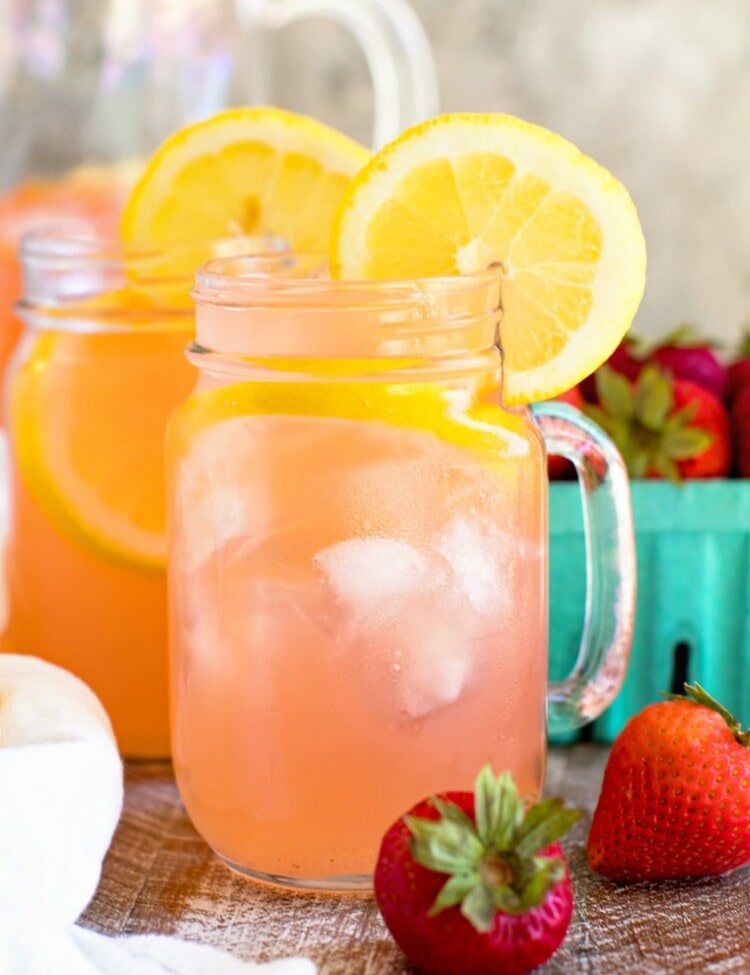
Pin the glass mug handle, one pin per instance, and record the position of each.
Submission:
(610, 566)
(398, 55)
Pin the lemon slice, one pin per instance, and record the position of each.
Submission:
(481, 427)
(461, 192)
(89, 443)
(244, 171)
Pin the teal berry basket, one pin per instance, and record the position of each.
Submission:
(693, 605)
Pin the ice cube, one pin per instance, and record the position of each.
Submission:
(473, 552)
(410, 666)
(366, 573)
(219, 495)
(433, 655)
(404, 637)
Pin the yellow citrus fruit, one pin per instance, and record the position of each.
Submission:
(89, 409)
(421, 406)
(462, 192)
(244, 171)
(87, 417)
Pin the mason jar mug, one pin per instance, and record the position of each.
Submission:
(357, 537)
(99, 368)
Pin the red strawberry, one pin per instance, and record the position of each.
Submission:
(675, 800)
(738, 371)
(663, 426)
(558, 468)
(627, 359)
(474, 883)
(688, 356)
(740, 413)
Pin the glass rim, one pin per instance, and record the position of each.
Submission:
(217, 282)
(64, 247)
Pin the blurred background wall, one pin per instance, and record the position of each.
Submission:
(656, 90)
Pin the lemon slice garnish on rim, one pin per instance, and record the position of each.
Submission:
(464, 191)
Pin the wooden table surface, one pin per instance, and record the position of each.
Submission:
(159, 876)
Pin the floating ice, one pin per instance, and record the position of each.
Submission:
(367, 572)
(219, 494)
(434, 657)
(410, 643)
(473, 559)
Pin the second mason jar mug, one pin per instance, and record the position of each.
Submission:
(357, 532)
(96, 374)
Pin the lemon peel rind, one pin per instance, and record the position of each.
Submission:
(284, 131)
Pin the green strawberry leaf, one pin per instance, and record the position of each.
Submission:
(682, 417)
(665, 467)
(491, 865)
(543, 823)
(497, 808)
(654, 398)
(479, 907)
(547, 872)
(454, 891)
(443, 845)
(684, 335)
(615, 393)
(699, 695)
(636, 460)
(509, 901)
(453, 813)
(683, 443)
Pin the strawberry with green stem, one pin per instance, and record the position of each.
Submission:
(675, 799)
(687, 355)
(476, 883)
(664, 427)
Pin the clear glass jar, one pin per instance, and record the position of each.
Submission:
(358, 565)
(99, 368)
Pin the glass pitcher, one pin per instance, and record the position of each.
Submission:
(357, 565)
(107, 81)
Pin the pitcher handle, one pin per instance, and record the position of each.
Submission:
(397, 51)
(610, 566)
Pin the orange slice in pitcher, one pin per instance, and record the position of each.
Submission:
(87, 416)
(461, 192)
(245, 171)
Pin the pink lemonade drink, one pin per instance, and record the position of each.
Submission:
(349, 540)
(357, 566)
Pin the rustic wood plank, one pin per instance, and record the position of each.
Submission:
(160, 876)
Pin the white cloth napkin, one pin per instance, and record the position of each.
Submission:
(60, 800)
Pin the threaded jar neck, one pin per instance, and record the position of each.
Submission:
(288, 309)
(88, 282)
